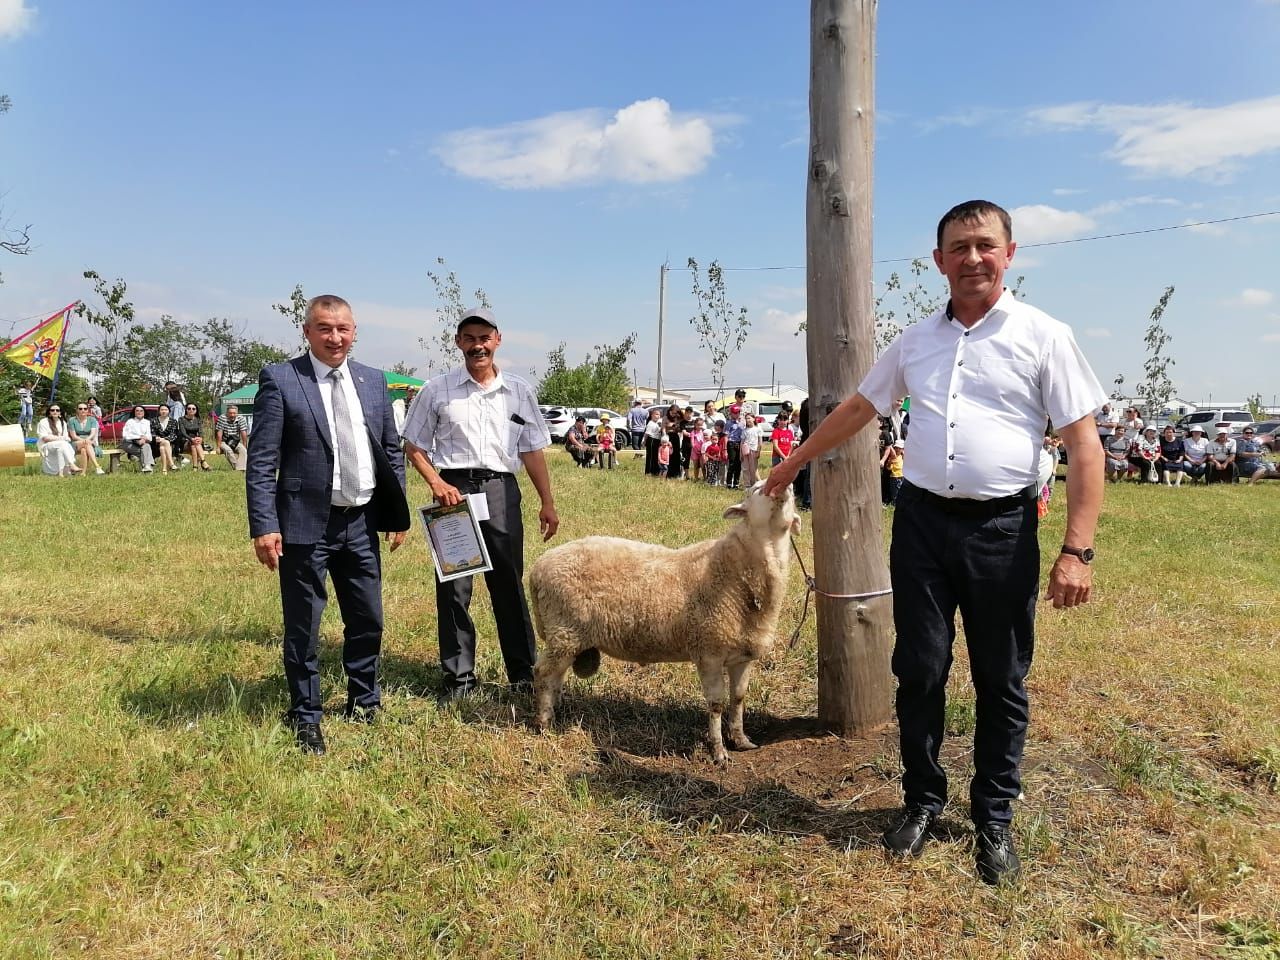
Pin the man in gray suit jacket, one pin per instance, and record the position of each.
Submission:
(325, 475)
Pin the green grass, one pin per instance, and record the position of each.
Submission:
(151, 804)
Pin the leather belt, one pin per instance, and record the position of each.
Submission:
(974, 508)
(345, 511)
(478, 476)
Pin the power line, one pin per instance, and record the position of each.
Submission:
(1050, 243)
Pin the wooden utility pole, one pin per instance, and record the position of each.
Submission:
(855, 638)
(662, 317)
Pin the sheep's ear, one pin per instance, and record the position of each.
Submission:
(795, 527)
(736, 512)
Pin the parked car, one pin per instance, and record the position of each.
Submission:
(560, 419)
(1266, 432)
(111, 424)
(1210, 419)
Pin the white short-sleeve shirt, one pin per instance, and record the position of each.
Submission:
(463, 425)
(981, 396)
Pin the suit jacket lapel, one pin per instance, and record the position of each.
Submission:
(366, 390)
(311, 390)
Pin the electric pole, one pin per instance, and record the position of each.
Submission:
(855, 637)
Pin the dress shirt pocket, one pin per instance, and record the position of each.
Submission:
(1005, 375)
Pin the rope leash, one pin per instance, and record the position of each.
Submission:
(811, 587)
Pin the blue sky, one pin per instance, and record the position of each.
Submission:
(556, 153)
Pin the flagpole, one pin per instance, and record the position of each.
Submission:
(57, 367)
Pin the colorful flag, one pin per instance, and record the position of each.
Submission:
(38, 348)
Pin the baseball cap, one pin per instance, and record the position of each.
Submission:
(1222, 428)
(478, 315)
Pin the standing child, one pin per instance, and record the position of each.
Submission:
(697, 439)
(716, 452)
(653, 433)
(751, 439)
(605, 441)
(664, 456)
(892, 464)
(26, 394)
(783, 438)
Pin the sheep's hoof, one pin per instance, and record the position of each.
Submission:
(742, 742)
(720, 756)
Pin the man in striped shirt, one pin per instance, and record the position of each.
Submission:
(232, 432)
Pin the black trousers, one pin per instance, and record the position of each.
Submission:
(503, 535)
(674, 465)
(349, 554)
(986, 564)
(651, 445)
(733, 476)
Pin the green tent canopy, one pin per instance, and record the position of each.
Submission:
(243, 398)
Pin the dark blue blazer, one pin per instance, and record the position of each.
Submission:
(289, 477)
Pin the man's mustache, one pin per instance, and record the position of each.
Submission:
(478, 352)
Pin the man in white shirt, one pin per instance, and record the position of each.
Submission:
(136, 439)
(984, 374)
(1222, 457)
(1107, 423)
(469, 432)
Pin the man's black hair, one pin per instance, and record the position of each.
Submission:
(974, 210)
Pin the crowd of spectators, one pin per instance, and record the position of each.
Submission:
(1145, 454)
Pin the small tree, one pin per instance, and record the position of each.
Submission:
(439, 348)
(600, 381)
(1156, 388)
(403, 369)
(1256, 409)
(119, 374)
(721, 327)
(295, 309)
(16, 240)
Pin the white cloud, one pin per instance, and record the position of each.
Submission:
(15, 18)
(1097, 333)
(1040, 223)
(1271, 338)
(642, 143)
(1068, 191)
(1178, 139)
(1251, 297)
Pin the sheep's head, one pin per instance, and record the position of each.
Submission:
(776, 515)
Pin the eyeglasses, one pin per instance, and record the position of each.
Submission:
(82, 407)
(55, 409)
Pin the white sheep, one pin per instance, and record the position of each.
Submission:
(735, 584)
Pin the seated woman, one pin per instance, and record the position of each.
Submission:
(82, 430)
(1195, 450)
(1117, 450)
(1144, 454)
(135, 439)
(57, 455)
(164, 437)
(189, 437)
(1172, 458)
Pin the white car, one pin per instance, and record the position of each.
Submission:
(560, 419)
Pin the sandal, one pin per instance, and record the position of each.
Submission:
(205, 466)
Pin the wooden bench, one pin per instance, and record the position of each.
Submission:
(112, 457)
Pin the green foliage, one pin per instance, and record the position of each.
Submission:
(441, 352)
(1254, 403)
(915, 301)
(599, 381)
(403, 369)
(71, 387)
(295, 309)
(1156, 388)
(132, 361)
(721, 327)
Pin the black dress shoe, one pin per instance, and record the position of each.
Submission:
(910, 833)
(997, 860)
(456, 694)
(358, 714)
(309, 738)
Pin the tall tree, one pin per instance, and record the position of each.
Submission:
(439, 348)
(1156, 388)
(721, 327)
(119, 375)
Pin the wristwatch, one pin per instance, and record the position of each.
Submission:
(1085, 554)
